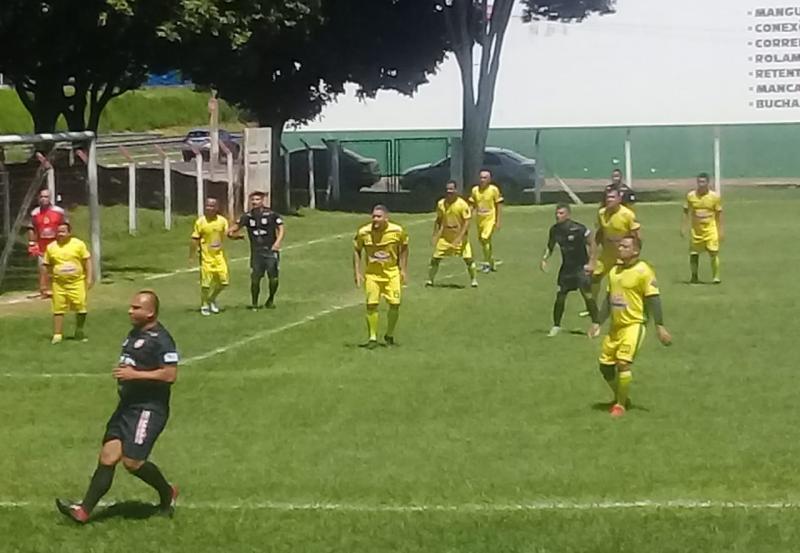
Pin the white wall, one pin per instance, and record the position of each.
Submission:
(653, 62)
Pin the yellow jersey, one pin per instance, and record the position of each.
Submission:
(451, 217)
(703, 211)
(211, 233)
(382, 248)
(627, 289)
(67, 261)
(485, 201)
(614, 227)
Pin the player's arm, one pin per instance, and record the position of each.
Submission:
(601, 316)
(403, 261)
(437, 228)
(166, 373)
(234, 231)
(591, 250)
(653, 304)
(33, 244)
(87, 270)
(462, 231)
(548, 250)
(498, 207)
(358, 275)
(194, 246)
(276, 247)
(685, 220)
(720, 228)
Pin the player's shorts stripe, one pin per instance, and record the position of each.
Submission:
(141, 428)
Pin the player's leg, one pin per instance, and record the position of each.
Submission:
(392, 294)
(694, 265)
(440, 251)
(624, 379)
(607, 363)
(373, 290)
(712, 247)
(273, 264)
(558, 311)
(78, 304)
(206, 279)
(258, 267)
(630, 340)
(472, 269)
(586, 293)
(221, 281)
(486, 230)
(60, 304)
(136, 448)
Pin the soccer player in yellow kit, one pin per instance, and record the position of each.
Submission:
(704, 208)
(632, 292)
(67, 262)
(386, 247)
(613, 222)
(451, 233)
(487, 200)
(207, 236)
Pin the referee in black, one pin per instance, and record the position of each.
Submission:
(625, 191)
(147, 368)
(575, 242)
(265, 229)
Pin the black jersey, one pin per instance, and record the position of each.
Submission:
(572, 238)
(262, 228)
(628, 196)
(147, 350)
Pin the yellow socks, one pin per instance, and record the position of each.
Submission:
(715, 267)
(372, 322)
(624, 379)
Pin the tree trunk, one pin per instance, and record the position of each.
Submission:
(43, 105)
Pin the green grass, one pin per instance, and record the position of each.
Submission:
(476, 415)
(145, 109)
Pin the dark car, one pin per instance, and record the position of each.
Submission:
(200, 139)
(511, 171)
(356, 171)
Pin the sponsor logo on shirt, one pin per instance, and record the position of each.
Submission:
(67, 268)
(618, 300)
(138, 343)
(380, 256)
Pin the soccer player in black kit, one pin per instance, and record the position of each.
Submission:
(147, 368)
(574, 241)
(265, 229)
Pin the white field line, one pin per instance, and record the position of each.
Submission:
(216, 351)
(460, 508)
(287, 248)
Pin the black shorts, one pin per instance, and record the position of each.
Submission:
(264, 262)
(137, 428)
(575, 279)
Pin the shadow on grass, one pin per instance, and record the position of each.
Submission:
(128, 510)
(449, 286)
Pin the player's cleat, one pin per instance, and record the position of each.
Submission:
(372, 344)
(253, 308)
(485, 268)
(584, 314)
(428, 283)
(474, 283)
(213, 307)
(72, 510)
(205, 311)
(554, 331)
(167, 509)
(617, 410)
(389, 340)
(81, 336)
(694, 280)
(57, 339)
(716, 281)
(270, 304)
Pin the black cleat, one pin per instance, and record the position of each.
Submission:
(167, 508)
(372, 344)
(694, 280)
(73, 511)
(389, 340)
(270, 304)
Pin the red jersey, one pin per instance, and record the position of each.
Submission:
(45, 224)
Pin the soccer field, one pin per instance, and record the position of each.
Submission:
(476, 434)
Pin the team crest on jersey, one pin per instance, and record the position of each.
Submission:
(138, 343)
(264, 221)
(570, 238)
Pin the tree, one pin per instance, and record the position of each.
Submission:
(472, 23)
(288, 74)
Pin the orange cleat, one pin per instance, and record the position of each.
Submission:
(617, 410)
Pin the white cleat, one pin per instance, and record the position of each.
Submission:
(205, 311)
(474, 283)
(214, 308)
(554, 331)
(428, 283)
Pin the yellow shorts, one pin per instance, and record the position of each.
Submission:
(388, 288)
(708, 244)
(214, 274)
(621, 344)
(69, 297)
(446, 249)
(604, 266)
(486, 228)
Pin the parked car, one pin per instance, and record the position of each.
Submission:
(200, 139)
(511, 171)
(356, 171)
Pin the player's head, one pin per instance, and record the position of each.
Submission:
(63, 232)
(703, 181)
(451, 190)
(485, 177)
(257, 199)
(380, 216)
(212, 207)
(144, 308)
(44, 198)
(616, 177)
(613, 198)
(563, 213)
(629, 248)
